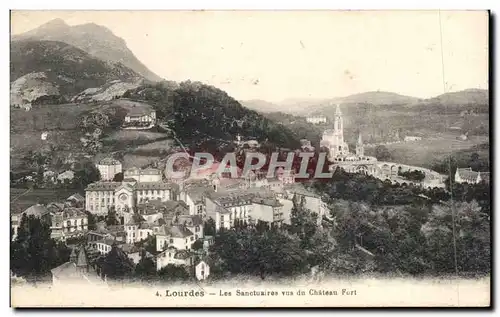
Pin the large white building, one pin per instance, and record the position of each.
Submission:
(333, 139)
(338, 150)
(108, 168)
(143, 175)
(316, 119)
(124, 196)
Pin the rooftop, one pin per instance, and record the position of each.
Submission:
(109, 161)
(141, 110)
(106, 186)
(76, 197)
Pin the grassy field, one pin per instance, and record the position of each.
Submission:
(62, 124)
(131, 160)
(22, 198)
(427, 151)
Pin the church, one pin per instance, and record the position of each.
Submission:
(338, 150)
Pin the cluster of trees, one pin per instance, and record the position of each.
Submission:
(33, 253)
(382, 153)
(366, 188)
(416, 239)
(416, 176)
(116, 265)
(195, 111)
(38, 162)
(477, 158)
(264, 250)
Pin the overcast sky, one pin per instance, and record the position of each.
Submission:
(309, 54)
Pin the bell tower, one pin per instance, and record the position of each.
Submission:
(338, 127)
(360, 149)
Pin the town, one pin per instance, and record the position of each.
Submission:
(170, 217)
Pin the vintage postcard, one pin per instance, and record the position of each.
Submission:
(250, 159)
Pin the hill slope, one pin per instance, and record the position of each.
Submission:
(463, 97)
(58, 70)
(260, 105)
(198, 112)
(94, 39)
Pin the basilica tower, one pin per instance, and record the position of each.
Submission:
(338, 127)
(360, 149)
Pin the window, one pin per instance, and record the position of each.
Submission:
(192, 238)
(68, 223)
(221, 218)
(171, 240)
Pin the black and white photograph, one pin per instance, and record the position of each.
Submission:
(211, 158)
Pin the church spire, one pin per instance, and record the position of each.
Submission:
(360, 149)
(337, 111)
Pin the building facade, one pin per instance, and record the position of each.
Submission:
(124, 196)
(316, 119)
(108, 168)
(333, 139)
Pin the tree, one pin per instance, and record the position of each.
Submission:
(197, 245)
(382, 153)
(146, 268)
(33, 252)
(209, 227)
(303, 222)
(118, 177)
(173, 273)
(88, 173)
(111, 217)
(116, 264)
(91, 220)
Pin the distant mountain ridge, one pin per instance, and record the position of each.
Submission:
(94, 39)
(376, 98)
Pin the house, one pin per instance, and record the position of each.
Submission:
(44, 136)
(132, 228)
(105, 246)
(194, 196)
(69, 222)
(49, 176)
(202, 270)
(267, 210)
(77, 270)
(412, 138)
(467, 175)
(37, 211)
(177, 236)
(143, 175)
(312, 201)
(140, 117)
(76, 200)
(67, 175)
(108, 168)
(135, 253)
(175, 257)
(193, 223)
(207, 242)
(316, 119)
(227, 207)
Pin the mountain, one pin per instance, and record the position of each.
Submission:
(463, 97)
(42, 71)
(94, 39)
(378, 98)
(260, 105)
(313, 106)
